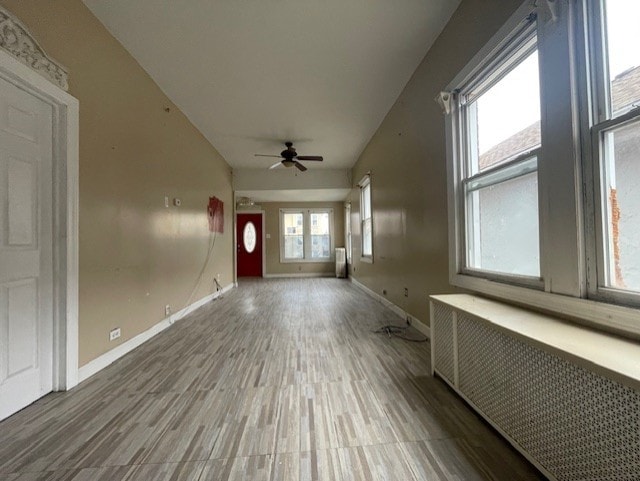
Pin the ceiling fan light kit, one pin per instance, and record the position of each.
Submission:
(291, 158)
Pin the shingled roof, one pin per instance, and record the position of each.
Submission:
(524, 140)
(625, 91)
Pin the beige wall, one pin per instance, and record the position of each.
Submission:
(136, 256)
(406, 158)
(272, 223)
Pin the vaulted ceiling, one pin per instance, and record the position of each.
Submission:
(251, 74)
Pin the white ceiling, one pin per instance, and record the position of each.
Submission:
(251, 74)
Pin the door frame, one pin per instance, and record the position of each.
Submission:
(65, 158)
(236, 240)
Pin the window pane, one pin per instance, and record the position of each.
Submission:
(293, 223)
(249, 237)
(320, 247)
(293, 247)
(320, 223)
(622, 175)
(503, 227)
(366, 238)
(623, 39)
(505, 120)
(366, 201)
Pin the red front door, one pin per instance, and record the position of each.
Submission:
(249, 237)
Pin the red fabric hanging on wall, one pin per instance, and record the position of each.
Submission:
(215, 211)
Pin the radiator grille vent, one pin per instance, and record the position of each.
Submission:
(576, 424)
(443, 319)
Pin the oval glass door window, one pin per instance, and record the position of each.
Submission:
(249, 237)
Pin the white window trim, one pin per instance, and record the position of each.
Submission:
(306, 229)
(596, 121)
(565, 271)
(366, 180)
(347, 231)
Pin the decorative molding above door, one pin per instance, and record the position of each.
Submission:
(18, 42)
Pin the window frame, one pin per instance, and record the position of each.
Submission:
(306, 230)
(365, 183)
(283, 258)
(347, 231)
(598, 119)
(510, 53)
(565, 176)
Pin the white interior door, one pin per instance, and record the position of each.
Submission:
(26, 282)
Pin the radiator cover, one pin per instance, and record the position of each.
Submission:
(570, 422)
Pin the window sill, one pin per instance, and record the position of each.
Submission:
(368, 260)
(612, 357)
(620, 320)
(307, 261)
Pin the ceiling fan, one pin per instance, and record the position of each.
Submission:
(290, 157)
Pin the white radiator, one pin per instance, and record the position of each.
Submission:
(572, 423)
(341, 262)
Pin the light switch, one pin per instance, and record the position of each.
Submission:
(268, 236)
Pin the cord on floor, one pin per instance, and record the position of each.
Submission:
(396, 331)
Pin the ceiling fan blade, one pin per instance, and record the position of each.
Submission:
(300, 167)
(265, 155)
(309, 157)
(275, 165)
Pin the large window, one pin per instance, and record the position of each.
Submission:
(306, 235)
(498, 162)
(366, 219)
(543, 133)
(615, 139)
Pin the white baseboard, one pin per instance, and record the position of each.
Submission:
(300, 274)
(415, 322)
(99, 363)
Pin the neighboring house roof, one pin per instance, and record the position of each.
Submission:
(625, 90)
(524, 140)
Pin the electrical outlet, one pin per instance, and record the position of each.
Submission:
(166, 201)
(406, 292)
(167, 310)
(114, 334)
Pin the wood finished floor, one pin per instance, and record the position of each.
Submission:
(278, 380)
